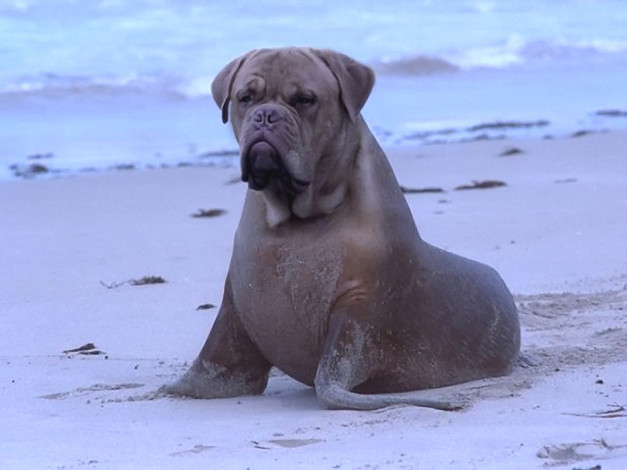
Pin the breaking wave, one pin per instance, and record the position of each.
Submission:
(515, 52)
(59, 85)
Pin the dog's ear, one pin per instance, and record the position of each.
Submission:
(355, 79)
(222, 84)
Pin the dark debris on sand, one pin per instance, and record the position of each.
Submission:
(510, 152)
(87, 349)
(208, 213)
(486, 184)
(406, 190)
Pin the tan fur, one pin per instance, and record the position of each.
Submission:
(330, 280)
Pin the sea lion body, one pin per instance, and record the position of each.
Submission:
(330, 280)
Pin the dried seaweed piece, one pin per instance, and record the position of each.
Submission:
(486, 184)
(511, 152)
(508, 125)
(208, 213)
(420, 190)
(147, 280)
(205, 307)
(83, 348)
(611, 113)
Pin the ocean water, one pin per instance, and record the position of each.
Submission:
(126, 83)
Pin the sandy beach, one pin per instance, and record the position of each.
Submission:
(556, 230)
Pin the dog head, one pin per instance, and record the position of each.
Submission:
(294, 112)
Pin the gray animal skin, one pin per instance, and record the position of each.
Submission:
(329, 279)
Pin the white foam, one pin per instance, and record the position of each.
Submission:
(137, 82)
(196, 87)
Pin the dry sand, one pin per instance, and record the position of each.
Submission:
(557, 232)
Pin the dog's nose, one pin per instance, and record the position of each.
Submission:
(266, 115)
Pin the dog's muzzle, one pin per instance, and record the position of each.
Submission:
(262, 165)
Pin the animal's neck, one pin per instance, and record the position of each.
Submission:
(331, 182)
(355, 168)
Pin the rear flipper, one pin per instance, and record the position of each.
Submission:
(334, 397)
(348, 360)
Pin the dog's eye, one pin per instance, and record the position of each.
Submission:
(303, 100)
(245, 99)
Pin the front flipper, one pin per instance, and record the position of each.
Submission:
(229, 364)
(349, 359)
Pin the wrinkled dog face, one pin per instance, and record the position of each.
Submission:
(289, 115)
(279, 106)
(278, 103)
